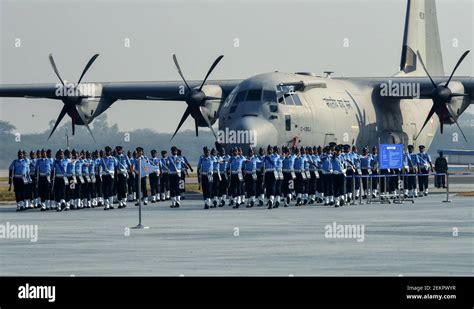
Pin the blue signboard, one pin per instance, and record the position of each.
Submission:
(391, 156)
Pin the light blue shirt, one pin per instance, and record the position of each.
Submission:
(20, 167)
(206, 164)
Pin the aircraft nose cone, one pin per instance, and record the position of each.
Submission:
(253, 131)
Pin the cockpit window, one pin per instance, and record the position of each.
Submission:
(240, 96)
(269, 96)
(231, 97)
(287, 96)
(254, 95)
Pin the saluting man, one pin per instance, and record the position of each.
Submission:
(31, 189)
(326, 176)
(366, 169)
(184, 173)
(204, 170)
(18, 177)
(109, 164)
(89, 168)
(43, 170)
(224, 183)
(250, 177)
(80, 182)
(375, 171)
(143, 158)
(236, 177)
(338, 175)
(164, 176)
(175, 164)
(132, 195)
(288, 175)
(216, 179)
(269, 165)
(154, 178)
(300, 176)
(259, 188)
(424, 162)
(123, 166)
(278, 175)
(61, 181)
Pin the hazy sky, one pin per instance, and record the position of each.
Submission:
(287, 36)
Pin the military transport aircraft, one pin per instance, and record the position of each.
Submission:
(288, 108)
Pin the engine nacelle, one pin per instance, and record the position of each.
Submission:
(457, 105)
(94, 104)
(211, 107)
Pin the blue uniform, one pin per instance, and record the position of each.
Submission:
(123, 163)
(60, 167)
(32, 163)
(44, 166)
(20, 167)
(164, 165)
(365, 162)
(78, 167)
(270, 162)
(206, 165)
(299, 163)
(224, 161)
(108, 165)
(326, 164)
(250, 164)
(235, 163)
(174, 164)
(337, 164)
(424, 160)
(288, 163)
(70, 169)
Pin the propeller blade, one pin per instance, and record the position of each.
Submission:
(210, 70)
(179, 71)
(187, 112)
(73, 124)
(207, 98)
(55, 69)
(60, 117)
(424, 68)
(441, 124)
(459, 127)
(457, 65)
(88, 65)
(204, 115)
(83, 118)
(196, 127)
(430, 114)
(176, 98)
(459, 95)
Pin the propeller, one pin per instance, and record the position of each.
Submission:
(442, 95)
(71, 103)
(195, 99)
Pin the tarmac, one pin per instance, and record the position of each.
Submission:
(427, 238)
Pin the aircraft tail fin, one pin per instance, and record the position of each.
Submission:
(421, 34)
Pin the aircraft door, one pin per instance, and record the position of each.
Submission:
(329, 138)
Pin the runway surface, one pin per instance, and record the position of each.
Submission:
(408, 239)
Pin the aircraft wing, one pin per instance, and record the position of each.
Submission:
(155, 90)
(29, 91)
(165, 90)
(426, 87)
